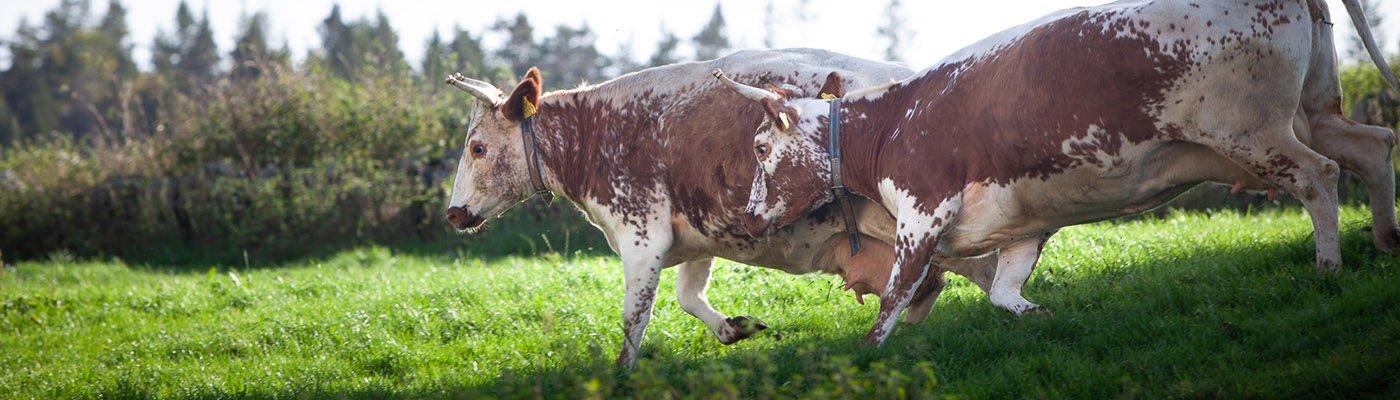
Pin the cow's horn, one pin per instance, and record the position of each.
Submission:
(752, 93)
(481, 90)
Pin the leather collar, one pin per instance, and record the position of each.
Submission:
(836, 182)
(527, 134)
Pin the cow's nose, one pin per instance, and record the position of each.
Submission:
(460, 218)
(755, 225)
(456, 215)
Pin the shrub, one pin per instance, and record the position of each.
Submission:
(286, 165)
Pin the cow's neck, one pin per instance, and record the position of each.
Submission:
(885, 134)
(861, 146)
(578, 138)
(550, 135)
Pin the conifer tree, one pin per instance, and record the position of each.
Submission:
(711, 42)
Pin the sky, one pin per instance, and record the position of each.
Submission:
(939, 27)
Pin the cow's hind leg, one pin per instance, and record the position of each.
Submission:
(926, 295)
(1364, 150)
(1276, 156)
(692, 278)
(980, 271)
(1015, 262)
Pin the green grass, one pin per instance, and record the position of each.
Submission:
(1188, 306)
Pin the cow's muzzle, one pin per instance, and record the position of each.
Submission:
(757, 226)
(463, 219)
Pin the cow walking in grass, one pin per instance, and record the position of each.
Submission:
(658, 161)
(1083, 115)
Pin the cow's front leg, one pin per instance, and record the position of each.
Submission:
(979, 270)
(691, 280)
(1015, 262)
(642, 260)
(641, 279)
(916, 239)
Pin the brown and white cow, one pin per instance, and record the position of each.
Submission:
(658, 161)
(1083, 115)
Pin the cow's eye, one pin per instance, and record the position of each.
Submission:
(761, 150)
(478, 149)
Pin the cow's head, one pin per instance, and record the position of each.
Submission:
(493, 175)
(793, 170)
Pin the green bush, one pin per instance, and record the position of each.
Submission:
(295, 163)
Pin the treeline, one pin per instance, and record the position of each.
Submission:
(74, 72)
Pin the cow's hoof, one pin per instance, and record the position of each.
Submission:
(874, 338)
(1021, 310)
(1388, 240)
(626, 360)
(1037, 309)
(739, 328)
(1325, 266)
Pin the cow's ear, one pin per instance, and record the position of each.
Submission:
(523, 100)
(833, 89)
(533, 75)
(781, 115)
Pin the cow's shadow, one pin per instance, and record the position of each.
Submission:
(533, 228)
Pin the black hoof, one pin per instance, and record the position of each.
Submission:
(1037, 310)
(747, 324)
(742, 328)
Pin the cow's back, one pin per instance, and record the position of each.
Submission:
(693, 146)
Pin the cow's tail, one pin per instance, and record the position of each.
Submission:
(1358, 19)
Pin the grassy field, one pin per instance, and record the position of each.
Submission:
(1187, 306)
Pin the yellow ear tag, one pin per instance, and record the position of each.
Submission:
(828, 96)
(783, 118)
(527, 108)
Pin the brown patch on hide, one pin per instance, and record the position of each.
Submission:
(966, 128)
(692, 145)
